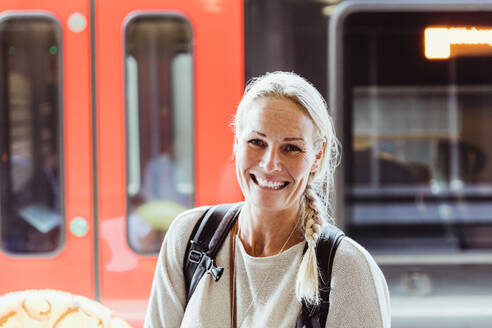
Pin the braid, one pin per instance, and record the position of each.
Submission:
(307, 277)
(312, 215)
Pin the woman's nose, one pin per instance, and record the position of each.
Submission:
(270, 161)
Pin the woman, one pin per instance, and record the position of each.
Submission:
(285, 154)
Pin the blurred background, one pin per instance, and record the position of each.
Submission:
(114, 118)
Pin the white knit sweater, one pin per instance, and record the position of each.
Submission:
(359, 296)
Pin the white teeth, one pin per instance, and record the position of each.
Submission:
(269, 184)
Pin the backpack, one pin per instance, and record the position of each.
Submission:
(208, 236)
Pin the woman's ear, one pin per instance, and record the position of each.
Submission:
(321, 150)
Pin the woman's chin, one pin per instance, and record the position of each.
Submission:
(267, 203)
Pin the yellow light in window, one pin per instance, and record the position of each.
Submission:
(438, 40)
(437, 43)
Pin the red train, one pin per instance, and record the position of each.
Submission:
(63, 85)
(115, 117)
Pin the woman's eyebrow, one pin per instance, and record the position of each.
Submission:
(294, 139)
(285, 139)
(261, 134)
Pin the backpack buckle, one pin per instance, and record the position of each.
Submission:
(213, 270)
(195, 256)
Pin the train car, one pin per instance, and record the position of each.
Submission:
(115, 117)
(411, 92)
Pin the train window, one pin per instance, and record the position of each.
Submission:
(419, 169)
(160, 129)
(31, 198)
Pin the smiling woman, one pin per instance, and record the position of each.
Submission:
(285, 154)
(275, 152)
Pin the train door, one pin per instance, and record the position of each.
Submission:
(169, 77)
(411, 89)
(46, 220)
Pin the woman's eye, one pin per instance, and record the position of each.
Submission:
(293, 148)
(256, 142)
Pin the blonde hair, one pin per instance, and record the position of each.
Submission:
(317, 204)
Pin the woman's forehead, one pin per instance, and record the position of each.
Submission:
(275, 115)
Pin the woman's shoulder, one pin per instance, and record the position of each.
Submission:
(354, 264)
(353, 258)
(359, 285)
(351, 254)
(184, 223)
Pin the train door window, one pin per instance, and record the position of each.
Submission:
(159, 123)
(419, 169)
(31, 206)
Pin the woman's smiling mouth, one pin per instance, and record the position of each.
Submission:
(265, 184)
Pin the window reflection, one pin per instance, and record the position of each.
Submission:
(159, 107)
(30, 211)
(419, 171)
(417, 162)
(431, 137)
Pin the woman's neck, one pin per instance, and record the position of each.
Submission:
(266, 233)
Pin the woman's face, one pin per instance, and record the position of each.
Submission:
(275, 153)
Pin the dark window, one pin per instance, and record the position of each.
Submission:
(287, 35)
(419, 169)
(31, 197)
(160, 129)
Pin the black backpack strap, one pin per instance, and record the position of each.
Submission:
(205, 241)
(315, 316)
